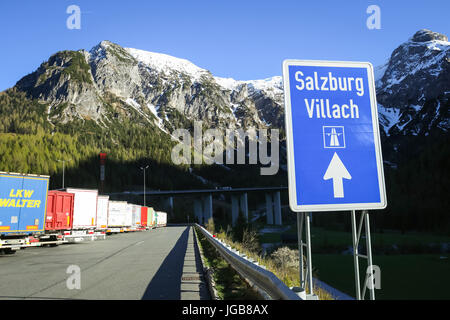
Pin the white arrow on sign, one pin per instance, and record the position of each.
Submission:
(337, 171)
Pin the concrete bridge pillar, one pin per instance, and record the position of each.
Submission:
(198, 210)
(269, 209)
(168, 205)
(207, 207)
(277, 208)
(244, 206)
(239, 203)
(234, 209)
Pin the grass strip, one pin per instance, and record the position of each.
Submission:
(228, 283)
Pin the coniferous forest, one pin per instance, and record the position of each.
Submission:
(418, 189)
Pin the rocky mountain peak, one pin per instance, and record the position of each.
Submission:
(426, 35)
(110, 81)
(413, 86)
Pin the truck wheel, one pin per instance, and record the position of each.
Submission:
(9, 251)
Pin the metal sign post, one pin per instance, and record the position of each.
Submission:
(300, 248)
(63, 162)
(356, 236)
(306, 277)
(102, 171)
(144, 168)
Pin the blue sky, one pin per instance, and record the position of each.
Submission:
(239, 39)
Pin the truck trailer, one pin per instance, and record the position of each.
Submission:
(151, 218)
(136, 217)
(161, 219)
(144, 215)
(84, 215)
(23, 199)
(129, 218)
(119, 216)
(102, 215)
(59, 217)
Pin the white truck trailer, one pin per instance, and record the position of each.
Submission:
(102, 215)
(119, 216)
(84, 215)
(136, 217)
(161, 219)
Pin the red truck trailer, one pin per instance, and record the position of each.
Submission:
(59, 217)
(59, 210)
(144, 217)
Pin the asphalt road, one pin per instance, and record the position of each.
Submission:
(156, 264)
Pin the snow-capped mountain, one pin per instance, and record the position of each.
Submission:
(413, 87)
(110, 82)
(168, 92)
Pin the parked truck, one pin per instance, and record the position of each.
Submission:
(84, 215)
(119, 216)
(59, 217)
(144, 217)
(161, 219)
(102, 215)
(23, 199)
(129, 216)
(147, 217)
(151, 218)
(136, 217)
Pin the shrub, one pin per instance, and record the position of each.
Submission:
(210, 225)
(285, 258)
(250, 241)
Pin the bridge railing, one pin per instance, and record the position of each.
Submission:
(264, 280)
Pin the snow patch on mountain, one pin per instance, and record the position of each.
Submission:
(134, 104)
(269, 85)
(417, 108)
(153, 109)
(227, 83)
(379, 72)
(388, 117)
(165, 63)
(158, 121)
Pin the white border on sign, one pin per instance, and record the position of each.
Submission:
(293, 203)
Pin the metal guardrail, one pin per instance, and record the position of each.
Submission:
(265, 280)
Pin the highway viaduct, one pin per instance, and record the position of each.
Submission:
(203, 206)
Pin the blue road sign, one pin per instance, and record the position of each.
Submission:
(333, 141)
